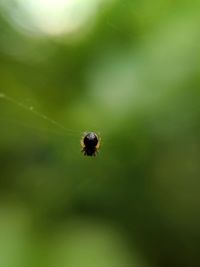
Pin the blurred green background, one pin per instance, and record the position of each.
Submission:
(128, 70)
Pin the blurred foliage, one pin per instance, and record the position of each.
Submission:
(131, 73)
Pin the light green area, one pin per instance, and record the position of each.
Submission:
(128, 70)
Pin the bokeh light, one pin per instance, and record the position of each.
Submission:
(128, 70)
(49, 17)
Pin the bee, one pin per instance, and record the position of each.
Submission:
(90, 144)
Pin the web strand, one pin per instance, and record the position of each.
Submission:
(37, 113)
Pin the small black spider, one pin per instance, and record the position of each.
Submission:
(90, 143)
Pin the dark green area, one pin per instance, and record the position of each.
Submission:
(132, 74)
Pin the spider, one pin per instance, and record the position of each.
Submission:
(90, 143)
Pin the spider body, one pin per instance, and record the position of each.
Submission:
(90, 144)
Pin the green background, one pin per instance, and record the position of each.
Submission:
(132, 74)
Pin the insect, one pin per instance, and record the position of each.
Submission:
(90, 143)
